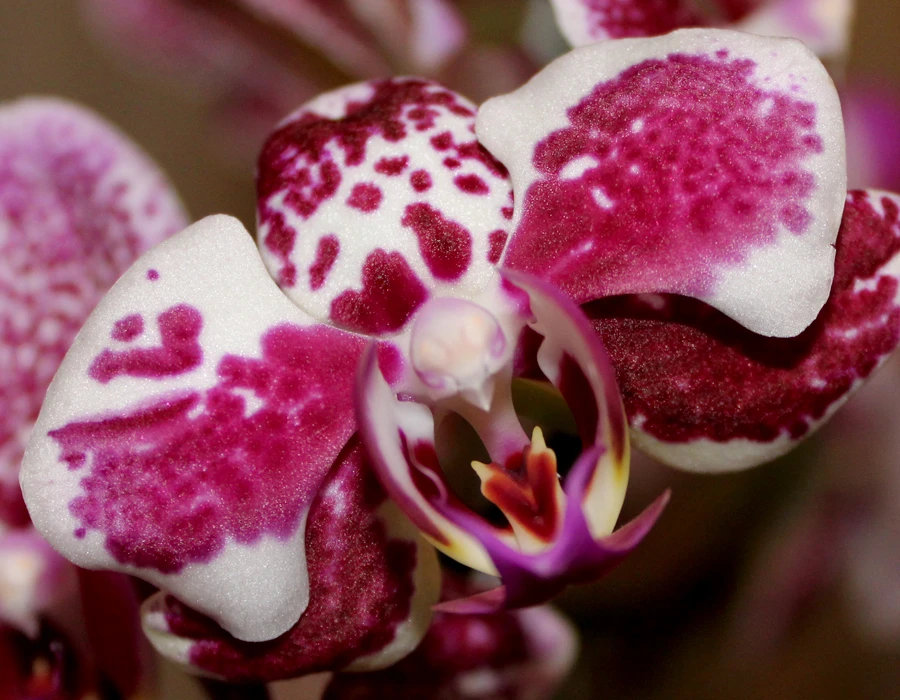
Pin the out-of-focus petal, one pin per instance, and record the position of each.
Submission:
(372, 583)
(420, 35)
(189, 429)
(823, 25)
(33, 578)
(705, 394)
(358, 35)
(78, 203)
(706, 163)
(332, 27)
(219, 50)
(872, 122)
(518, 655)
(586, 21)
(374, 196)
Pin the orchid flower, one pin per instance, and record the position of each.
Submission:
(78, 204)
(218, 414)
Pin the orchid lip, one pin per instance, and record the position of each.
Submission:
(548, 528)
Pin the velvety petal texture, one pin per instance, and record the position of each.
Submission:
(706, 163)
(704, 394)
(372, 583)
(78, 203)
(376, 196)
(190, 428)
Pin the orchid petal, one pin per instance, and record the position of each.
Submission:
(374, 196)
(823, 25)
(78, 203)
(422, 35)
(372, 583)
(514, 655)
(197, 399)
(704, 394)
(331, 27)
(706, 163)
(586, 21)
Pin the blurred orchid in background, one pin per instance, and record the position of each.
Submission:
(78, 204)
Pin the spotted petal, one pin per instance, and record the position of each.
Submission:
(374, 196)
(190, 427)
(372, 583)
(705, 163)
(554, 539)
(705, 394)
(78, 203)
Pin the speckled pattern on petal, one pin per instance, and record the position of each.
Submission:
(78, 203)
(362, 589)
(707, 163)
(373, 196)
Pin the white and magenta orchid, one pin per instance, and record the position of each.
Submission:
(218, 424)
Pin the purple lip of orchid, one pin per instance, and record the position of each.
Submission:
(216, 427)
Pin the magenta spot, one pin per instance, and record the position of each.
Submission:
(496, 244)
(445, 245)
(180, 352)
(690, 372)
(420, 181)
(366, 197)
(391, 292)
(361, 589)
(392, 166)
(452, 163)
(280, 241)
(209, 463)
(128, 328)
(690, 167)
(471, 184)
(153, 275)
(442, 141)
(507, 213)
(80, 533)
(326, 254)
(390, 362)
